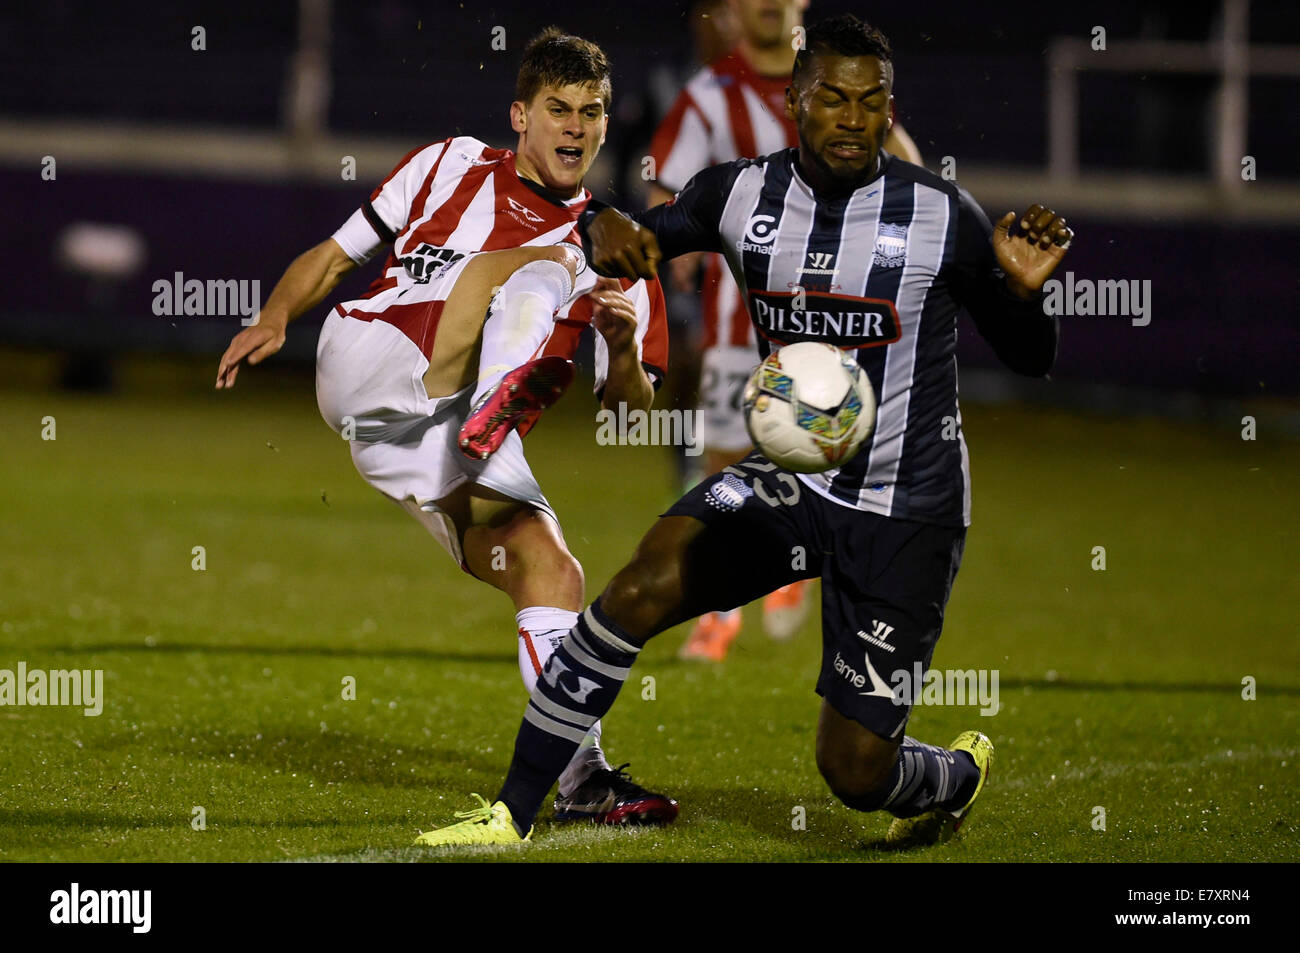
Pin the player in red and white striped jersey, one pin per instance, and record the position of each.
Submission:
(735, 108)
(484, 279)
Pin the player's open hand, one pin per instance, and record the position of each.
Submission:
(1031, 254)
(621, 248)
(613, 314)
(254, 343)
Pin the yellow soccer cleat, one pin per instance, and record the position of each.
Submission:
(940, 826)
(485, 824)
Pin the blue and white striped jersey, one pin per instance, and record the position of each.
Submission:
(883, 271)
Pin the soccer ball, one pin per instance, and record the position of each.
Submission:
(809, 407)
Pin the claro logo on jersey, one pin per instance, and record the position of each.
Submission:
(842, 320)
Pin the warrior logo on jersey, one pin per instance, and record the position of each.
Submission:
(842, 320)
(891, 246)
(729, 493)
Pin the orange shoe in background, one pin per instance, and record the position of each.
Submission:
(786, 610)
(712, 636)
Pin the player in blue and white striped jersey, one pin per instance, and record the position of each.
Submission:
(833, 241)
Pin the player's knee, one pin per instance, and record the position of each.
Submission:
(567, 571)
(545, 558)
(861, 783)
(639, 596)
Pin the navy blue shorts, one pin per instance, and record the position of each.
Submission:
(885, 581)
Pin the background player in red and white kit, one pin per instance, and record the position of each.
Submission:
(472, 230)
(734, 108)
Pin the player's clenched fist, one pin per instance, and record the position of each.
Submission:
(254, 343)
(613, 315)
(622, 248)
(1031, 252)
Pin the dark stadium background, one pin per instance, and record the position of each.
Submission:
(972, 83)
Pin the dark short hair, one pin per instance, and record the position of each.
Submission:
(556, 58)
(841, 35)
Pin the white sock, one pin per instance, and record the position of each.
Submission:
(520, 320)
(541, 630)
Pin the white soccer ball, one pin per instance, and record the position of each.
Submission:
(809, 407)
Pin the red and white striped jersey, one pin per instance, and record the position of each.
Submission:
(726, 112)
(449, 199)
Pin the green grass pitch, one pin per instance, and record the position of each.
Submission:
(1120, 689)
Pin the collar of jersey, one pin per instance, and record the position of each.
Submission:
(803, 183)
(544, 192)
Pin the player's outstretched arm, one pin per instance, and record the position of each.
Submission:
(998, 278)
(305, 283)
(624, 246)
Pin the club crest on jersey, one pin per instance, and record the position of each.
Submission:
(728, 494)
(891, 246)
(522, 213)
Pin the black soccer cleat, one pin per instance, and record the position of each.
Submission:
(612, 797)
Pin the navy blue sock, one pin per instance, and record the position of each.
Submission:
(575, 689)
(926, 776)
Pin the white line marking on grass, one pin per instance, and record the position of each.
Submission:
(1116, 769)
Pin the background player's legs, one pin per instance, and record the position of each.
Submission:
(784, 609)
(454, 363)
(713, 632)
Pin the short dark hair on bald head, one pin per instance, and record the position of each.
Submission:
(842, 35)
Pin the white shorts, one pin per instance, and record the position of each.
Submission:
(724, 370)
(370, 390)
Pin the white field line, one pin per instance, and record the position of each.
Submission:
(1117, 769)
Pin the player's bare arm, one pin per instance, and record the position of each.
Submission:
(1030, 255)
(614, 318)
(304, 285)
